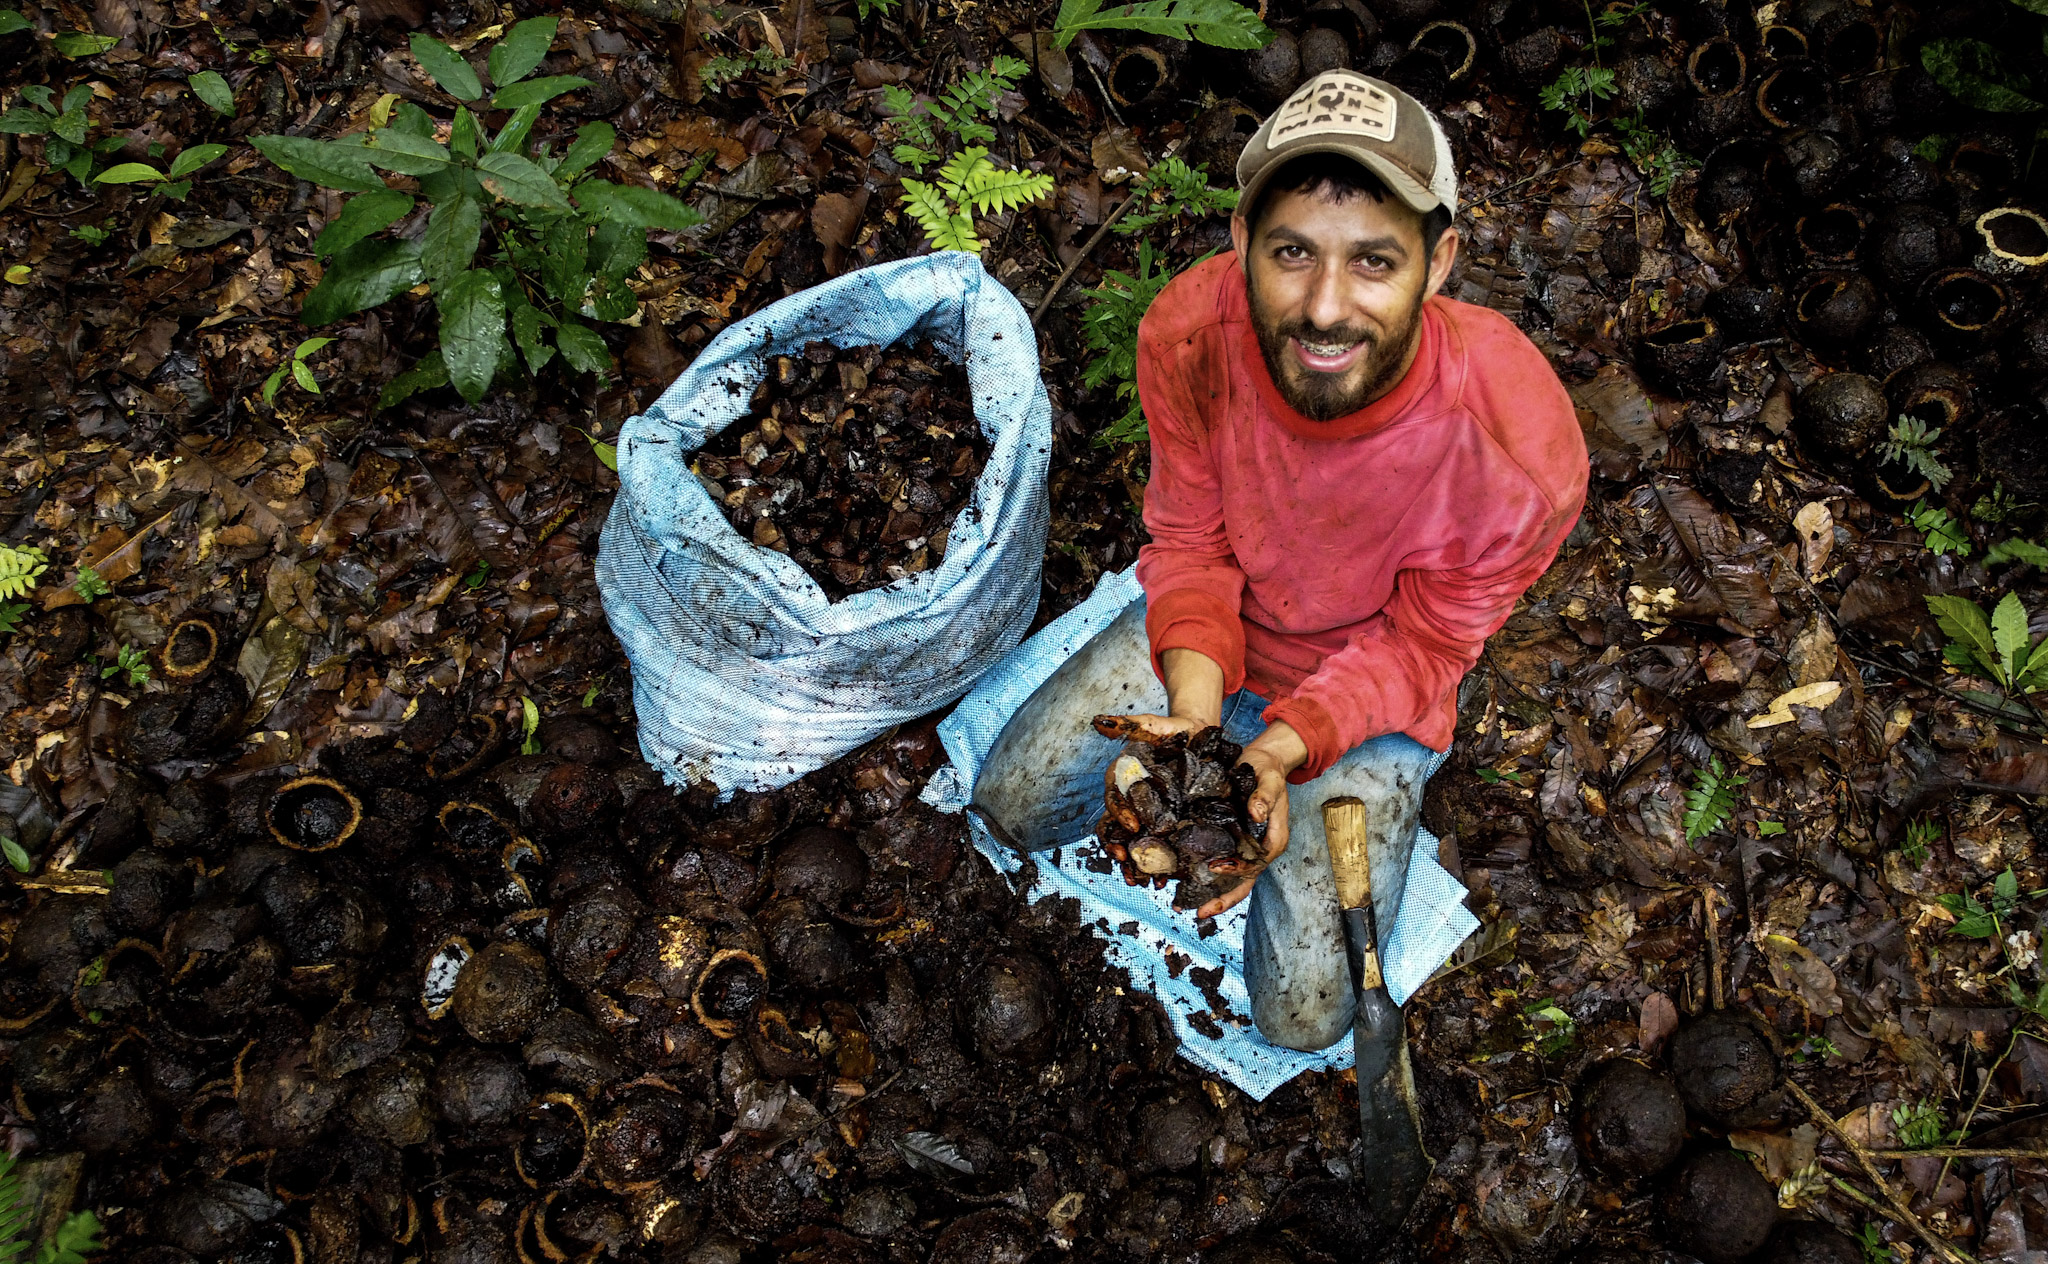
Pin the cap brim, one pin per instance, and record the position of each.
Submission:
(1412, 194)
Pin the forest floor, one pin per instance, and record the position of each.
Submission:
(1725, 757)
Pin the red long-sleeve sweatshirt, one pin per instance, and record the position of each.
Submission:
(1348, 570)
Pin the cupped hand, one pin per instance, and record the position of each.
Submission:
(1268, 804)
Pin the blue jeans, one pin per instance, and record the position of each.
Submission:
(1041, 786)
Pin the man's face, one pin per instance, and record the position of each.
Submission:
(1336, 295)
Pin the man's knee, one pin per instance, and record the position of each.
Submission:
(1309, 1019)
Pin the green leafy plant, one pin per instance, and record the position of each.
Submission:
(17, 855)
(1110, 331)
(12, 21)
(1494, 776)
(2017, 550)
(1654, 154)
(77, 1237)
(91, 234)
(1171, 190)
(77, 44)
(214, 91)
(1987, 921)
(1999, 646)
(1875, 1249)
(968, 185)
(1911, 444)
(1979, 75)
(529, 725)
(1920, 835)
(961, 113)
(1815, 1049)
(720, 73)
(1941, 532)
(1997, 505)
(20, 566)
(1224, 23)
(172, 183)
(475, 579)
(1559, 1031)
(869, 8)
(295, 366)
(1769, 829)
(1919, 1126)
(89, 585)
(65, 127)
(1711, 801)
(1579, 90)
(129, 662)
(562, 242)
(2036, 1005)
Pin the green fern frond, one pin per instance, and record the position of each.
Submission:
(20, 567)
(13, 1214)
(945, 227)
(1711, 801)
(990, 190)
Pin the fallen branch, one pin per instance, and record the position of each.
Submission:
(1060, 282)
(1900, 1212)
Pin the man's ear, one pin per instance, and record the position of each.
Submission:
(1241, 241)
(1441, 258)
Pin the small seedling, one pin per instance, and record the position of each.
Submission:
(1920, 835)
(528, 743)
(869, 8)
(1171, 190)
(1997, 505)
(76, 1238)
(1911, 444)
(173, 183)
(65, 125)
(1562, 1030)
(1814, 1049)
(1981, 921)
(2017, 550)
(1919, 1126)
(1875, 1249)
(2000, 645)
(295, 365)
(89, 585)
(959, 114)
(1943, 533)
(91, 234)
(17, 855)
(1110, 330)
(210, 88)
(1769, 829)
(1495, 776)
(475, 579)
(967, 186)
(596, 687)
(1711, 801)
(720, 73)
(128, 661)
(2037, 1005)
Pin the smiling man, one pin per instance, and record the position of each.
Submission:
(1353, 481)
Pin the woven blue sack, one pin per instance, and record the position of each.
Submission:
(744, 674)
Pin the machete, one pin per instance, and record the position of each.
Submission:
(1395, 1163)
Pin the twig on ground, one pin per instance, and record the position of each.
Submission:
(1042, 130)
(1717, 987)
(1900, 1212)
(1108, 101)
(1964, 1127)
(1060, 282)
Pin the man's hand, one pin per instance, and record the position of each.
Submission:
(1272, 754)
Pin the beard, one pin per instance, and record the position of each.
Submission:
(1328, 396)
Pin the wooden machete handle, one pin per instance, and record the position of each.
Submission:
(1344, 828)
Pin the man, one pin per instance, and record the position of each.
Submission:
(1353, 481)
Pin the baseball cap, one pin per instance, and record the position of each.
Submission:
(1365, 119)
